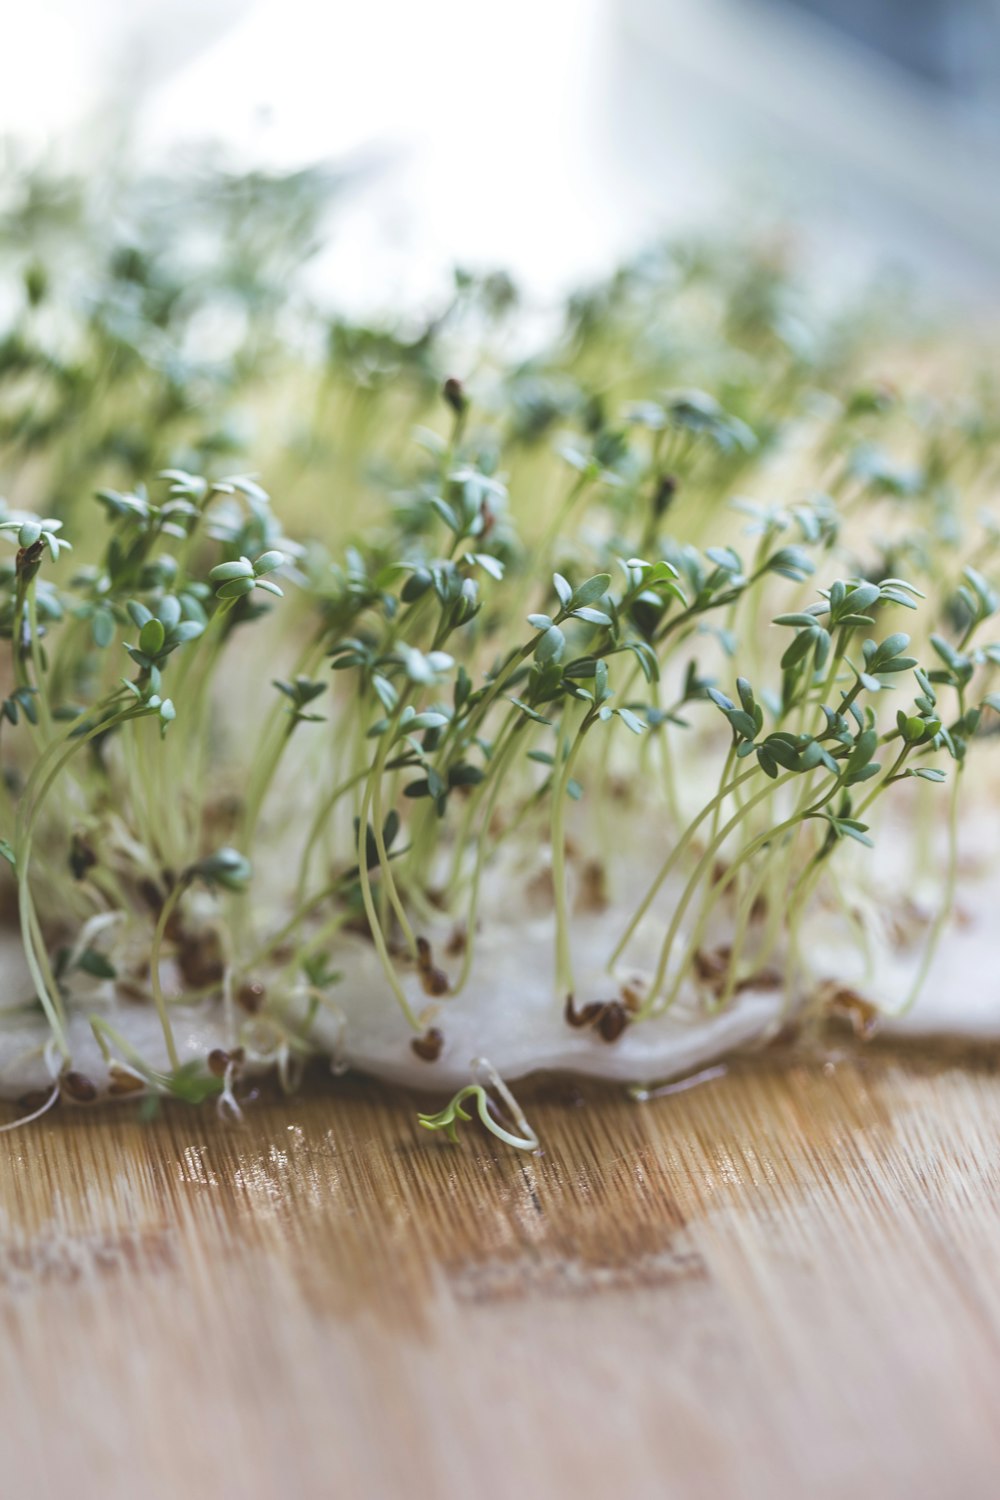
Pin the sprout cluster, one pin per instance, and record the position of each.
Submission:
(631, 607)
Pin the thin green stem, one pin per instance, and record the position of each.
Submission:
(166, 911)
(670, 862)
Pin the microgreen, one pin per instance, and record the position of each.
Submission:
(447, 1119)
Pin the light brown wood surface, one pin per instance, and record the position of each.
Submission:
(782, 1283)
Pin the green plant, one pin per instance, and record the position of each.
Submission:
(548, 643)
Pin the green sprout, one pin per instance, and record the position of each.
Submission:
(239, 578)
(448, 1119)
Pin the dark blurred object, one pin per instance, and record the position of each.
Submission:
(953, 44)
(882, 115)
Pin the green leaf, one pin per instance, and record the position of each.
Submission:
(767, 762)
(601, 690)
(721, 701)
(807, 621)
(725, 558)
(465, 775)
(187, 630)
(592, 616)
(551, 645)
(151, 638)
(862, 597)
(427, 720)
(743, 723)
(528, 711)
(227, 571)
(784, 753)
(491, 565)
(799, 648)
(415, 586)
(631, 720)
(590, 592)
(95, 964)
(792, 563)
(139, 613)
(226, 867)
(102, 627)
(385, 692)
(169, 611)
(235, 588)
(446, 513)
(893, 645)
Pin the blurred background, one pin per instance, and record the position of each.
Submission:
(550, 137)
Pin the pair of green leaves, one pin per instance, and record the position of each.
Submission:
(238, 578)
(227, 868)
(300, 693)
(32, 530)
(575, 604)
(160, 633)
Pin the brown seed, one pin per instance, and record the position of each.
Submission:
(588, 1016)
(631, 997)
(251, 995)
(840, 1000)
(433, 980)
(33, 1100)
(764, 979)
(121, 1081)
(712, 966)
(151, 894)
(540, 890)
(487, 520)
(457, 942)
(593, 893)
(614, 1018)
(609, 1017)
(81, 856)
(218, 1062)
(454, 395)
(428, 1047)
(130, 989)
(200, 959)
(666, 489)
(78, 1088)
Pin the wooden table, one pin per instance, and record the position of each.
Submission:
(782, 1283)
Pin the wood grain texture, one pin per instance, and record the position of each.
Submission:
(783, 1283)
